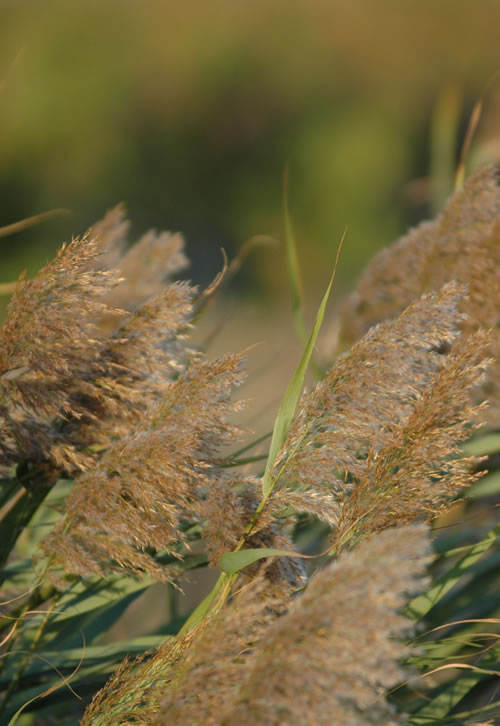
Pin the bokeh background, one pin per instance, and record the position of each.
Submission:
(189, 111)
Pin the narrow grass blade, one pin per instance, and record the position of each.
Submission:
(233, 562)
(18, 517)
(248, 447)
(8, 488)
(14, 718)
(291, 398)
(89, 607)
(242, 462)
(18, 576)
(93, 658)
(31, 221)
(475, 117)
(444, 699)
(441, 705)
(482, 445)
(486, 487)
(421, 605)
(204, 606)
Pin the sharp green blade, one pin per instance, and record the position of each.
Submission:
(233, 562)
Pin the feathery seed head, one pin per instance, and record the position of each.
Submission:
(375, 442)
(334, 653)
(50, 357)
(327, 660)
(461, 244)
(135, 498)
(64, 386)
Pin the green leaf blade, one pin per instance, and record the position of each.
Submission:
(291, 398)
(421, 605)
(233, 562)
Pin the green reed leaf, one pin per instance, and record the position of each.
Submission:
(482, 445)
(421, 605)
(291, 398)
(233, 562)
(441, 705)
(204, 607)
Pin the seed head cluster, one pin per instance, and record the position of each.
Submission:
(99, 384)
(328, 659)
(461, 244)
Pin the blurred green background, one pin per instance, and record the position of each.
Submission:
(189, 111)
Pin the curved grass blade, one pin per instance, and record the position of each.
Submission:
(439, 707)
(204, 607)
(421, 605)
(233, 562)
(291, 398)
(94, 659)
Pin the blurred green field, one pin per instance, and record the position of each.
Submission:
(189, 113)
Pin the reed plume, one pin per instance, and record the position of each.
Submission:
(145, 267)
(130, 506)
(134, 692)
(461, 244)
(75, 370)
(52, 373)
(328, 659)
(334, 654)
(229, 507)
